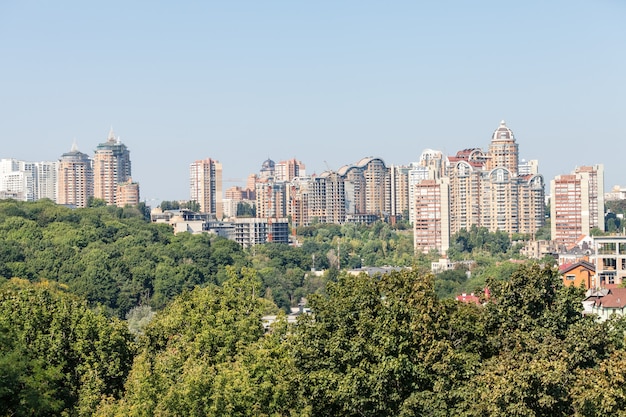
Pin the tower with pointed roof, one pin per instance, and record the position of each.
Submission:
(503, 150)
(111, 167)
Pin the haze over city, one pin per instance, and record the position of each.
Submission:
(325, 82)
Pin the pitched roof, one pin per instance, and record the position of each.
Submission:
(468, 298)
(584, 264)
(616, 298)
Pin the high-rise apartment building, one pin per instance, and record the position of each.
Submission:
(431, 165)
(466, 174)
(532, 204)
(205, 186)
(75, 178)
(367, 188)
(431, 230)
(268, 169)
(299, 193)
(271, 199)
(577, 204)
(490, 190)
(487, 190)
(503, 150)
(399, 178)
(28, 181)
(111, 166)
(45, 180)
(15, 182)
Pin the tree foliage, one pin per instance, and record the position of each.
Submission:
(56, 355)
(206, 354)
(373, 346)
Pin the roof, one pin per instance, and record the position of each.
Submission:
(503, 133)
(583, 264)
(468, 298)
(616, 298)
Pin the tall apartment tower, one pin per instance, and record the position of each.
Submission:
(503, 150)
(577, 204)
(486, 189)
(367, 188)
(432, 165)
(28, 181)
(205, 186)
(466, 182)
(431, 230)
(75, 178)
(271, 199)
(111, 166)
(45, 184)
(399, 179)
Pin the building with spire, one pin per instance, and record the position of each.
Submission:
(483, 189)
(503, 150)
(111, 166)
(75, 178)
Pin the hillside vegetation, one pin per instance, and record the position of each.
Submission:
(194, 343)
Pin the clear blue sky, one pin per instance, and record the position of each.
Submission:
(334, 81)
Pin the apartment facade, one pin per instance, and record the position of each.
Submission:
(485, 190)
(75, 178)
(609, 259)
(111, 166)
(205, 186)
(577, 204)
(127, 194)
(431, 230)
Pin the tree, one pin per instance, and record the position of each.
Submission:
(244, 209)
(372, 346)
(56, 356)
(533, 298)
(207, 354)
(601, 391)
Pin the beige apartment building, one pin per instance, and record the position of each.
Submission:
(205, 186)
(271, 198)
(289, 169)
(359, 192)
(75, 178)
(431, 230)
(399, 179)
(485, 190)
(111, 166)
(367, 188)
(127, 194)
(577, 204)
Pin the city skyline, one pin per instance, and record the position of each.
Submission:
(227, 183)
(325, 83)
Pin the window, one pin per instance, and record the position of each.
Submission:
(570, 277)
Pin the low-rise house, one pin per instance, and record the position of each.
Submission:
(468, 298)
(605, 303)
(579, 274)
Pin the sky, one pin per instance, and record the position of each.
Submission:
(325, 82)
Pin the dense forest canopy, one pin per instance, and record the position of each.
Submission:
(115, 258)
